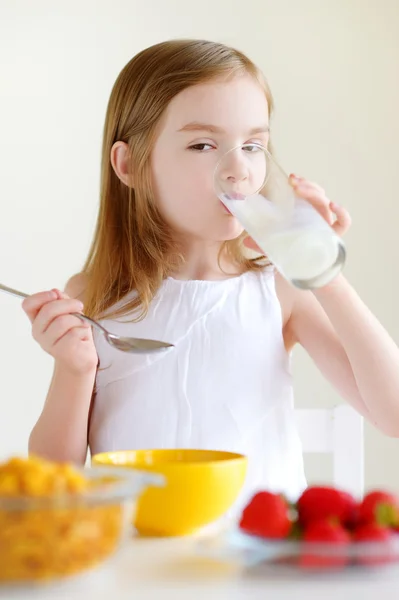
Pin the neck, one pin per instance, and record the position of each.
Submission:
(202, 260)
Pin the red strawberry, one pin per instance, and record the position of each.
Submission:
(372, 532)
(267, 515)
(325, 502)
(381, 508)
(334, 539)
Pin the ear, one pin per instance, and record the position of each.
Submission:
(120, 162)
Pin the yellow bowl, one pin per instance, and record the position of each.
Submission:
(201, 485)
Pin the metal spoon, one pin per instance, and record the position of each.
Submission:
(125, 344)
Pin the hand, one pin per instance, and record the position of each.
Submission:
(65, 337)
(336, 216)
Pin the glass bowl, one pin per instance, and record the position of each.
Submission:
(248, 551)
(49, 537)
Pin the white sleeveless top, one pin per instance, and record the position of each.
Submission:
(226, 385)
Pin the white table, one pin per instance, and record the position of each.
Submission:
(173, 569)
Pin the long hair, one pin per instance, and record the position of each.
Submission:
(133, 248)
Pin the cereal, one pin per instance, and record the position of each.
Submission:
(64, 536)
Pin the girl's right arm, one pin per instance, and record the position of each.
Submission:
(61, 431)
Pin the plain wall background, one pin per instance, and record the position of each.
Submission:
(333, 66)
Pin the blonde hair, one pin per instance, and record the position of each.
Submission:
(133, 248)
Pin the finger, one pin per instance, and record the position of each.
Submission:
(62, 325)
(79, 334)
(61, 295)
(343, 221)
(318, 201)
(52, 310)
(301, 182)
(33, 304)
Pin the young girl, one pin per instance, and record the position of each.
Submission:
(168, 262)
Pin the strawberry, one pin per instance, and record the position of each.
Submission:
(267, 515)
(381, 508)
(372, 532)
(324, 502)
(335, 540)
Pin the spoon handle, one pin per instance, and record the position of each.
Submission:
(8, 290)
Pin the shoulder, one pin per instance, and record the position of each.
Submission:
(76, 286)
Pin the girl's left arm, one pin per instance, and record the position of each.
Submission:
(345, 340)
(343, 337)
(351, 348)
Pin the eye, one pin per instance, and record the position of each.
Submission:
(253, 147)
(200, 147)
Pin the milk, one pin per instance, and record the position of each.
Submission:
(295, 237)
(301, 255)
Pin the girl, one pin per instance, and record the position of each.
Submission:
(169, 262)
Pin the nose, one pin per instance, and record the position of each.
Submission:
(234, 168)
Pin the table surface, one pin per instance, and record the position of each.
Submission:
(174, 568)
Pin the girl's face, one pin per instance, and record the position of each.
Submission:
(199, 126)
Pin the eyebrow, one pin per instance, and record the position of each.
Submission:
(196, 126)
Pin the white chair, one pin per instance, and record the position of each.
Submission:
(337, 431)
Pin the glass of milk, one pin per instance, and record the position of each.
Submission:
(291, 233)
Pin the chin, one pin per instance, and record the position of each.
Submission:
(221, 230)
